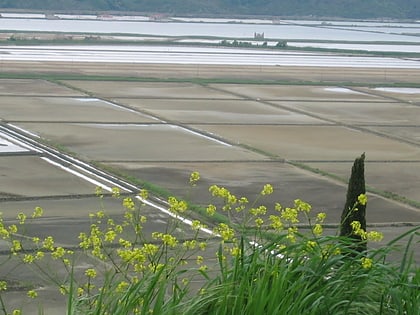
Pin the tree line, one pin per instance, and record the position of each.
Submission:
(355, 9)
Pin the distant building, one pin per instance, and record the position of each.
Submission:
(258, 35)
(104, 17)
(50, 16)
(159, 17)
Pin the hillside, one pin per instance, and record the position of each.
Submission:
(356, 9)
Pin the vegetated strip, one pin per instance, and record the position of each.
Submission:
(82, 77)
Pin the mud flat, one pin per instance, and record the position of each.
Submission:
(239, 136)
(162, 131)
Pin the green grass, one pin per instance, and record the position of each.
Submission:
(293, 271)
(203, 81)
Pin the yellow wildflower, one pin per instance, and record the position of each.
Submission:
(185, 281)
(80, 292)
(196, 225)
(64, 289)
(235, 251)
(199, 260)
(124, 243)
(39, 255)
(211, 210)
(58, 253)
(190, 244)
(310, 245)
(128, 203)
(13, 228)
(362, 199)
(375, 236)
(267, 190)
(48, 243)
(98, 191)
(357, 229)
(202, 245)
(90, 273)
(276, 222)
(259, 222)
(150, 249)
(302, 206)
(317, 229)
(21, 217)
(243, 201)
(16, 246)
(194, 178)
(122, 286)
(177, 206)
(320, 217)
(28, 259)
(225, 231)
(38, 212)
(3, 285)
(366, 263)
(110, 236)
(291, 234)
(4, 233)
(261, 210)
(290, 214)
(169, 240)
(32, 294)
(278, 207)
(144, 194)
(115, 192)
(100, 214)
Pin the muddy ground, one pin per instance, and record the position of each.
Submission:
(236, 135)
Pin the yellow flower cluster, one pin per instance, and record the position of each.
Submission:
(166, 238)
(129, 204)
(115, 192)
(32, 294)
(276, 223)
(3, 285)
(366, 262)
(302, 206)
(38, 212)
(177, 206)
(225, 231)
(196, 225)
(362, 199)
(267, 190)
(261, 210)
(317, 229)
(373, 236)
(90, 273)
(221, 192)
(211, 210)
(194, 178)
